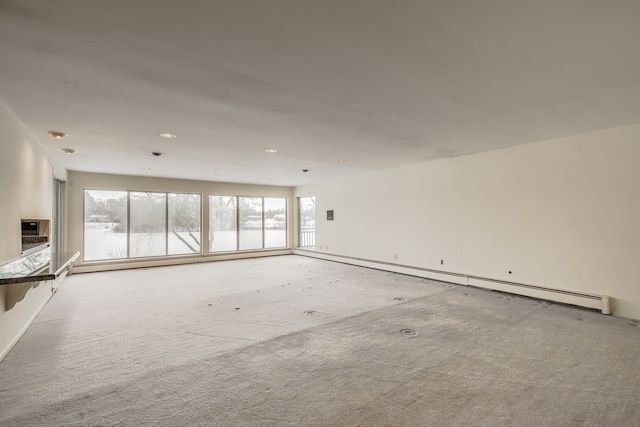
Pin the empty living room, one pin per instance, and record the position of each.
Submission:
(319, 213)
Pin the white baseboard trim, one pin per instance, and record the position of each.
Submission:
(581, 299)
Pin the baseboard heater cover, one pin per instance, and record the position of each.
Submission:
(126, 264)
(582, 299)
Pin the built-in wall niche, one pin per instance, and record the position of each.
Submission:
(35, 232)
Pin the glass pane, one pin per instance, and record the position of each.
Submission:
(250, 222)
(307, 211)
(275, 223)
(57, 218)
(223, 235)
(184, 224)
(148, 222)
(105, 225)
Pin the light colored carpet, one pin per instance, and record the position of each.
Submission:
(296, 341)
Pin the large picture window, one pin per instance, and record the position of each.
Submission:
(275, 222)
(105, 225)
(147, 224)
(244, 223)
(122, 224)
(223, 223)
(184, 224)
(251, 223)
(142, 224)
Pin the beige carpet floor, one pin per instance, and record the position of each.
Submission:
(296, 341)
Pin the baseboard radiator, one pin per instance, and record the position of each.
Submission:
(582, 299)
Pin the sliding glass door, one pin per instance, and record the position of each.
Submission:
(307, 222)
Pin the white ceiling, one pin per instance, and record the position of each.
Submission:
(378, 83)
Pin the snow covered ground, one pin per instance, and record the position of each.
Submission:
(101, 242)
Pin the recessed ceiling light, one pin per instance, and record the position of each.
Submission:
(156, 154)
(217, 174)
(270, 151)
(168, 135)
(68, 150)
(146, 169)
(56, 134)
(341, 161)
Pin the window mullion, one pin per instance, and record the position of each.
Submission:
(128, 224)
(263, 227)
(237, 223)
(166, 224)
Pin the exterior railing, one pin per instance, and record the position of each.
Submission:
(307, 238)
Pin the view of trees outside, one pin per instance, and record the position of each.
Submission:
(307, 212)
(147, 224)
(121, 224)
(106, 228)
(105, 224)
(184, 224)
(223, 220)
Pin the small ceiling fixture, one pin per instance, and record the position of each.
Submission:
(341, 161)
(270, 151)
(156, 154)
(69, 150)
(146, 169)
(56, 134)
(168, 136)
(217, 174)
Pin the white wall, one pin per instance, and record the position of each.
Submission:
(560, 213)
(79, 181)
(26, 174)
